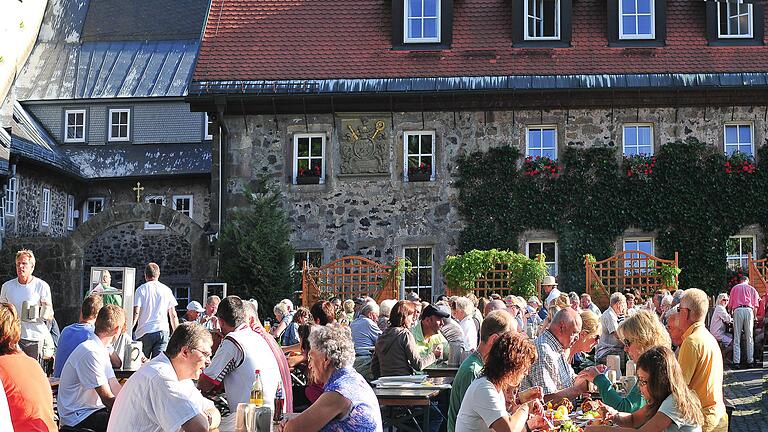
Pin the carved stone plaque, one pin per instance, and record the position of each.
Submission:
(364, 147)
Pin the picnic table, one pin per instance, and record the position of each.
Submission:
(441, 370)
(412, 396)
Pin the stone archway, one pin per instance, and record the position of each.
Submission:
(67, 296)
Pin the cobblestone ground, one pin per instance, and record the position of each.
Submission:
(747, 390)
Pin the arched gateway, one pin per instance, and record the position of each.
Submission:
(60, 260)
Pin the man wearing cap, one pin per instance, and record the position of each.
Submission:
(194, 309)
(550, 288)
(427, 331)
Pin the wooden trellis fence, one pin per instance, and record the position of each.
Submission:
(631, 269)
(347, 278)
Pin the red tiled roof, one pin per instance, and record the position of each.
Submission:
(327, 39)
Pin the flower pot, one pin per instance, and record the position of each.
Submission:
(308, 180)
(419, 177)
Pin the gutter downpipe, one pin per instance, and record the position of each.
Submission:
(221, 103)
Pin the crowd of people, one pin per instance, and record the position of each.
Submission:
(514, 356)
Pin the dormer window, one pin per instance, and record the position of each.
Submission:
(541, 23)
(542, 19)
(636, 19)
(734, 20)
(422, 25)
(637, 23)
(422, 21)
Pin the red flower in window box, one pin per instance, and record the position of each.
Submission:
(421, 172)
(640, 166)
(540, 166)
(308, 176)
(738, 163)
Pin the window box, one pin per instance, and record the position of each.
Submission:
(419, 177)
(308, 180)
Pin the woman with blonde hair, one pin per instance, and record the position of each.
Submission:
(588, 337)
(639, 333)
(671, 407)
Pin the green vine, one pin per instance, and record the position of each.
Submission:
(668, 274)
(463, 270)
(687, 199)
(396, 271)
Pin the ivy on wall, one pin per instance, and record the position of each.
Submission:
(688, 194)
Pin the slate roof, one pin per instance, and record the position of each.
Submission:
(87, 51)
(251, 40)
(141, 20)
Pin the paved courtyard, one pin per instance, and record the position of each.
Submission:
(747, 390)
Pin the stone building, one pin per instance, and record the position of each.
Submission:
(108, 166)
(361, 115)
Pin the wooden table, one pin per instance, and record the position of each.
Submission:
(441, 370)
(405, 397)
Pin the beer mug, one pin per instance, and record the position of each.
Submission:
(132, 359)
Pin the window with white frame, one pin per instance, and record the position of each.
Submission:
(74, 126)
(70, 212)
(313, 258)
(154, 199)
(308, 159)
(2, 215)
(738, 137)
(208, 127)
(637, 263)
(636, 20)
(119, 124)
(183, 204)
(638, 139)
(422, 21)
(542, 19)
(182, 295)
(93, 206)
(45, 216)
(419, 280)
(546, 247)
(10, 197)
(737, 249)
(419, 154)
(734, 20)
(541, 141)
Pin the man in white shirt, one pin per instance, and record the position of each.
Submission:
(609, 321)
(586, 303)
(35, 294)
(161, 396)
(463, 311)
(549, 285)
(153, 306)
(720, 319)
(241, 353)
(88, 385)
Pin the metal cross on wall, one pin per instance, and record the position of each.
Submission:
(138, 190)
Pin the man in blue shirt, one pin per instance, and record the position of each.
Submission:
(75, 334)
(365, 333)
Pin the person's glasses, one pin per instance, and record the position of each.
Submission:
(627, 343)
(204, 353)
(642, 382)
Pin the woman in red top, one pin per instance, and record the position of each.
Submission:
(28, 391)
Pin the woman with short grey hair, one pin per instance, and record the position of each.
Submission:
(348, 402)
